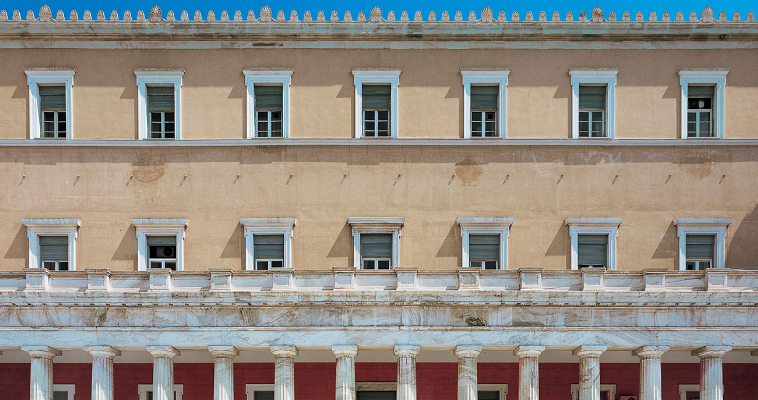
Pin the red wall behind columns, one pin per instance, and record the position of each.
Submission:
(14, 380)
(245, 373)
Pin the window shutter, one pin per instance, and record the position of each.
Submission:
(699, 246)
(484, 97)
(259, 395)
(268, 246)
(53, 248)
(268, 97)
(52, 97)
(388, 395)
(376, 245)
(161, 240)
(376, 97)
(593, 249)
(484, 247)
(592, 97)
(699, 91)
(60, 395)
(488, 395)
(160, 98)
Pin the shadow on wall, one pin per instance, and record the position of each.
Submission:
(451, 246)
(741, 243)
(127, 249)
(343, 245)
(18, 247)
(561, 245)
(669, 245)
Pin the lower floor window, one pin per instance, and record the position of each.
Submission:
(379, 395)
(64, 392)
(593, 251)
(269, 251)
(699, 251)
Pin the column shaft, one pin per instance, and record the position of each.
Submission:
(102, 371)
(711, 374)
(589, 371)
(41, 379)
(345, 384)
(284, 374)
(163, 371)
(467, 378)
(529, 371)
(406, 371)
(223, 371)
(650, 371)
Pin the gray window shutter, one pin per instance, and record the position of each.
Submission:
(699, 246)
(699, 91)
(388, 395)
(484, 97)
(160, 98)
(376, 97)
(484, 247)
(161, 240)
(268, 97)
(488, 395)
(268, 247)
(261, 395)
(53, 248)
(592, 97)
(376, 245)
(60, 395)
(593, 249)
(52, 98)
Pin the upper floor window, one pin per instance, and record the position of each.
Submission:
(702, 103)
(268, 242)
(267, 103)
(484, 242)
(702, 242)
(376, 242)
(50, 105)
(592, 111)
(160, 243)
(159, 104)
(593, 104)
(161, 112)
(52, 243)
(593, 242)
(376, 103)
(484, 103)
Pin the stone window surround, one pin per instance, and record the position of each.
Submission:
(500, 387)
(147, 78)
(603, 387)
(267, 226)
(703, 226)
(593, 77)
(36, 227)
(593, 226)
(144, 388)
(391, 77)
(35, 77)
(159, 227)
(268, 77)
(393, 226)
(485, 77)
(706, 77)
(485, 226)
(251, 388)
(69, 389)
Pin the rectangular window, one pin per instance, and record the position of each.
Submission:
(160, 109)
(592, 250)
(379, 395)
(150, 396)
(263, 395)
(484, 251)
(53, 111)
(699, 251)
(484, 101)
(59, 395)
(161, 252)
(54, 252)
(488, 395)
(268, 111)
(376, 251)
(592, 111)
(376, 110)
(269, 251)
(700, 111)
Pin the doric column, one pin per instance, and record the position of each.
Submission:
(406, 371)
(529, 371)
(345, 371)
(223, 371)
(284, 375)
(589, 371)
(102, 371)
(467, 371)
(163, 371)
(650, 371)
(711, 375)
(41, 382)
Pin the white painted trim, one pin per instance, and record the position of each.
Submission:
(376, 225)
(158, 78)
(267, 226)
(148, 387)
(485, 77)
(582, 77)
(593, 226)
(703, 226)
(381, 77)
(485, 226)
(683, 389)
(716, 78)
(252, 78)
(68, 388)
(49, 77)
(251, 388)
(36, 227)
(603, 387)
(501, 387)
(159, 227)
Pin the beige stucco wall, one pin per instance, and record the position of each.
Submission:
(430, 92)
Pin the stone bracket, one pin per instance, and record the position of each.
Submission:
(344, 278)
(221, 280)
(530, 278)
(98, 280)
(282, 279)
(469, 278)
(655, 280)
(161, 279)
(592, 279)
(37, 279)
(407, 278)
(716, 279)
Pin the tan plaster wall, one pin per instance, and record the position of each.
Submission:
(704, 182)
(430, 92)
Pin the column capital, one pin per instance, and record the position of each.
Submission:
(163, 351)
(467, 350)
(103, 351)
(223, 351)
(284, 351)
(407, 350)
(711, 351)
(650, 351)
(345, 350)
(528, 351)
(589, 351)
(41, 351)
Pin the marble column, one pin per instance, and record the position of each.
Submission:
(711, 374)
(406, 371)
(589, 371)
(529, 371)
(41, 382)
(223, 371)
(284, 374)
(163, 371)
(102, 371)
(467, 371)
(345, 371)
(650, 371)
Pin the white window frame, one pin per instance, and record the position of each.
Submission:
(159, 227)
(500, 387)
(717, 78)
(383, 77)
(485, 226)
(600, 77)
(158, 78)
(251, 388)
(70, 389)
(267, 78)
(267, 226)
(52, 77)
(370, 225)
(703, 226)
(485, 78)
(603, 387)
(593, 226)
(683, 389)
(36, 227)
(144, 388)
